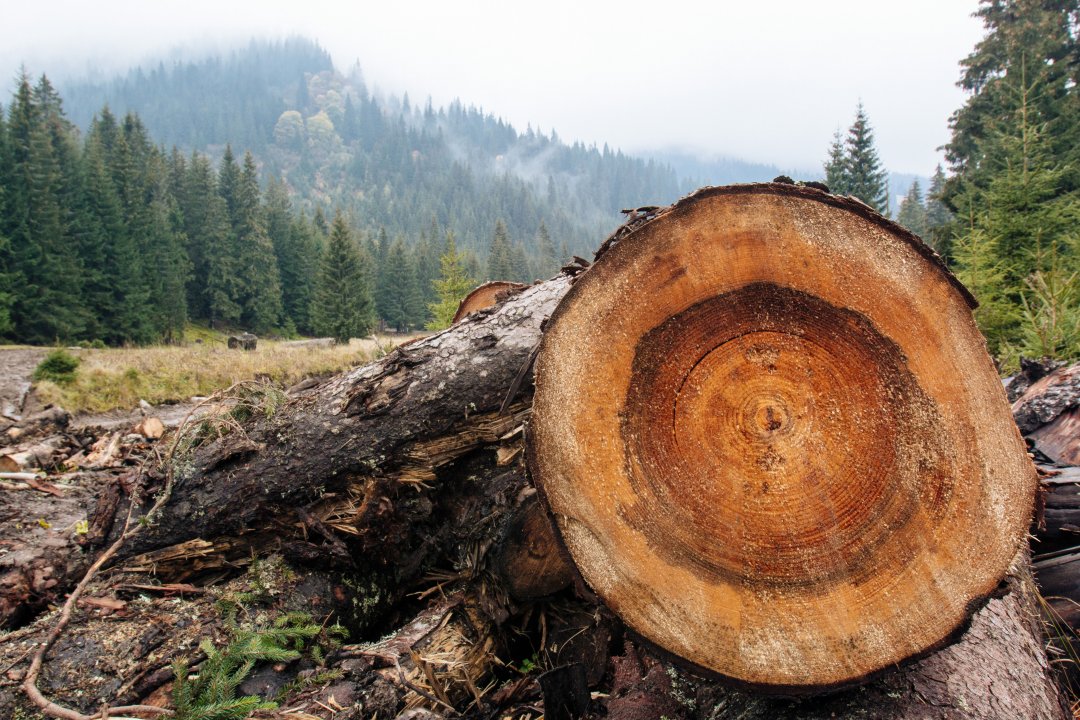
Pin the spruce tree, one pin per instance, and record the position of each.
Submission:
(308, 246)
(48, 305)
(938, 215)
(519, 262)
(426, 254)
(415, 303)
(296, 253)
(1023, 212)
(865, 177)
(7, 288)
(396, 276)
(978, 266)
(213, 285)
(548, 257)
(913, 210)
(836, 171)
(343, 307)
(169, 263)
(500, 265)
(453, 285)
(150, 243)
(259, 269)
(1027, 43)
(7, 274)
(384, 286)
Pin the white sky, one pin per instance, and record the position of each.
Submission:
(767, 81)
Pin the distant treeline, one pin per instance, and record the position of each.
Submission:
(107, 237)
(387, 162)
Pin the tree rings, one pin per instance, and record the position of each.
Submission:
(772, 440)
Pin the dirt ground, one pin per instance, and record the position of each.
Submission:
(16, 365)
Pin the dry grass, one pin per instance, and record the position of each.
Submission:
(118, 378)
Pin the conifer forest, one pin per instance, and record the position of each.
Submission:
(207, 191)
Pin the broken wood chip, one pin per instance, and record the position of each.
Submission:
(105, 603)
(150, 427)
(44, 486)
(507, 454)
(165, 588)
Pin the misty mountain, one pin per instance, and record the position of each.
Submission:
(396, 165)
(391, 164)
(234, 98)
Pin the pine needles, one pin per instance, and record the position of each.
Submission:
(211, 694)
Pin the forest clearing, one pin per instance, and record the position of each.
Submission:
(111, 379)
(330, 393)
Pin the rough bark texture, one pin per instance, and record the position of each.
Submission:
(391, 423)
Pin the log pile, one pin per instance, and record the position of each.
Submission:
(1047, 410)
(393, 501)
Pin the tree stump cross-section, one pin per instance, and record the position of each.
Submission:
(772, 441)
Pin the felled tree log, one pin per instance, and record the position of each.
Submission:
(382, 430)
(389, 477)
(792, 465)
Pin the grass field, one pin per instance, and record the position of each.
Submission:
(117, 378)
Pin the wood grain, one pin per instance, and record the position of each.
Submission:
(772, 440)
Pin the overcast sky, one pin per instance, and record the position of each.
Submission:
(767, 81)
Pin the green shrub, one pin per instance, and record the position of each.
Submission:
(58, 366)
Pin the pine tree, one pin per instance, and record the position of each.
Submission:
(1029, 38)
(397, 276)
(865, 177)
(913, 211)
(836, 171)
(169, 263)
(48, 306)
(343, 307)
(453, 285)
(500, 265)
(938, 215)
(384, 286)
(256, 288)
(548, 261)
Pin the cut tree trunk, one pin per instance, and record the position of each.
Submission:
(794, 464)
(486, 296)
(397, 495)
